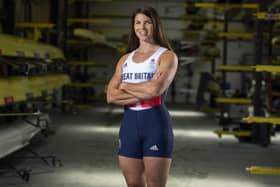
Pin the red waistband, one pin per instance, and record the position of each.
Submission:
(156, 101)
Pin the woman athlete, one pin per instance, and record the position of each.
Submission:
(140, 82)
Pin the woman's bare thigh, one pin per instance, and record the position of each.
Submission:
(133, 171)
(156, 171)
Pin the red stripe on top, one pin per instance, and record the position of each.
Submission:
(156, 101)
(151, 102)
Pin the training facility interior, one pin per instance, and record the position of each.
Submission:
(57, 57)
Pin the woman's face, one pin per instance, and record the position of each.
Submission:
(143, 27)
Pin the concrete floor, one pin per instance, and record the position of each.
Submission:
(87, 145)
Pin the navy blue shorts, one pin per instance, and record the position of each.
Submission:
(146, 133)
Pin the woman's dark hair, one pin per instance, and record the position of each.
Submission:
(158, 33)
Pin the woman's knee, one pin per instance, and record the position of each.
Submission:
(155, 183)
(136, 185)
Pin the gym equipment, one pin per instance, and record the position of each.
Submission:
(18, 89)
(267, 16)
(227, 6)
(37, 27)
(95, 37)
(234, 100)
(262, 120)
(24, 48)
(236, 35)
(263, 170)
(17, 135)
(235, 68)
(231, 132)
(268, 68)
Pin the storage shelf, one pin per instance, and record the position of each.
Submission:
(262, 120)
(237, 68)
(263, 170)
(36, 26)
(227, 6)
(234, 100)
(268, 68)
(267, 16)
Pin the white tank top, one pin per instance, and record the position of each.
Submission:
(133, 72)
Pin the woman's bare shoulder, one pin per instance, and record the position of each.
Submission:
(124, 57)
(169, 55)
